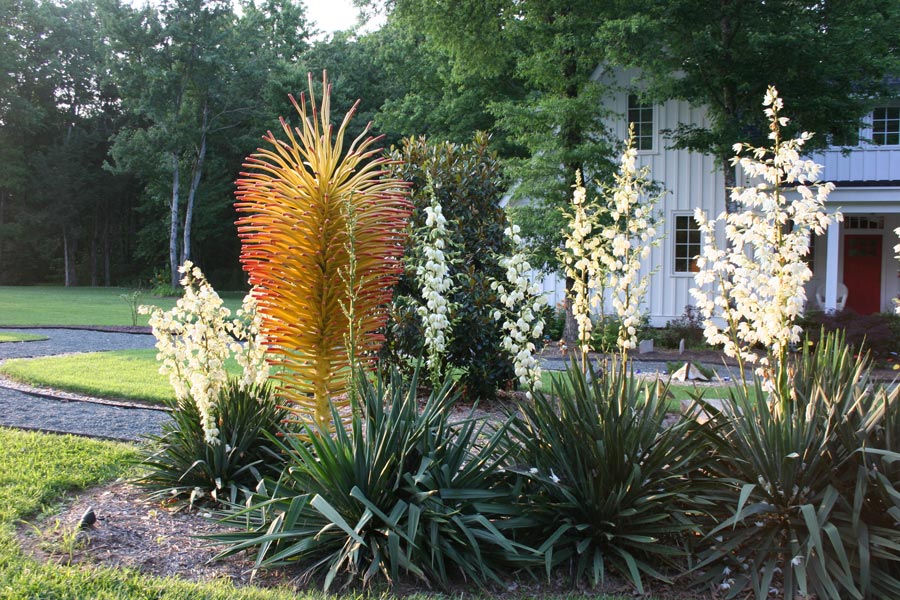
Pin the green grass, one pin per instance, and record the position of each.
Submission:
(38, 471)
(678, 391)
(21, 337)
(47, 305)
(125, 374)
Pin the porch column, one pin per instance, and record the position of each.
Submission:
(831, 266)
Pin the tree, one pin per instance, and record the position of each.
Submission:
(193, 71)
(550, 49)
(828, 59)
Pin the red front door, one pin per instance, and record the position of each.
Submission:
(862, 273)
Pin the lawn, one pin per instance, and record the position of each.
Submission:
(20, 337)
(125, 374)
(38, 471)
(49, 305)
(677, 391)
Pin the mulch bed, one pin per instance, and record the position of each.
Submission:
(132, 532)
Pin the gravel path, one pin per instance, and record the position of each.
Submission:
(70, 413)
(64, 341)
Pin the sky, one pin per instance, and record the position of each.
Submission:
(332, 15)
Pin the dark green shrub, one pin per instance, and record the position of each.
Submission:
(467, 182)
(806, 497)
(609, 484)
(687, 327)
(181, 465)
(402, 491)
(605, 333)
(554, 322)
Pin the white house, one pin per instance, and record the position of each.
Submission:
(857, 253)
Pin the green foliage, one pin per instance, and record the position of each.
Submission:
(468, 184)
(403, 491)
(606, 332)
(724, 56)
(554, 322)
(687, 327)
(609, 484)
(805, 494)
(181, 464)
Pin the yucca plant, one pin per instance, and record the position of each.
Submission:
(610, 483)
(322, 237)
(179, 464)
(402, 491)
(801, 508)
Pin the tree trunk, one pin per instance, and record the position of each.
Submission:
(730, 182)
(107, 279)
(95, 259)
(173, 228)
(196, 172)
(69, 259)
(2, 206)
(570, 329)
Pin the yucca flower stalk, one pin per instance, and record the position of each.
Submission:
(295, 250)
(628, 240)
(756, 284)
(197, 336)
(436, 284)
(581, 264)
(522, 314)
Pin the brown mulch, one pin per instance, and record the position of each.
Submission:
(132, 532)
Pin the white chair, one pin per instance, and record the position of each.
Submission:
(841, 297)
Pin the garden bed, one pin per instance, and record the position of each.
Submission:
(132, 532)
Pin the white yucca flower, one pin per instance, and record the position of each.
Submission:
(197, 336)
(629, 237)
(756, 283)
(436, 284)
(522, 316)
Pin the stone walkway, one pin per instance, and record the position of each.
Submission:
(47, 410)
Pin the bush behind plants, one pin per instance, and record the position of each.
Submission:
(403, 491)
(608, 483)
(181, 464)
(803, 503)
(467, 181)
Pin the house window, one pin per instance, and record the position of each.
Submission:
(886, 126)
(687, 244)
(640, 115)
(858, 222)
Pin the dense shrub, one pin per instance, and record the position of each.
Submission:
(181, 464)
(403, 491)
(608, 483)
(687, 327)
(467, 182)
(806, 498)
(554, 322)
(605, 333)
